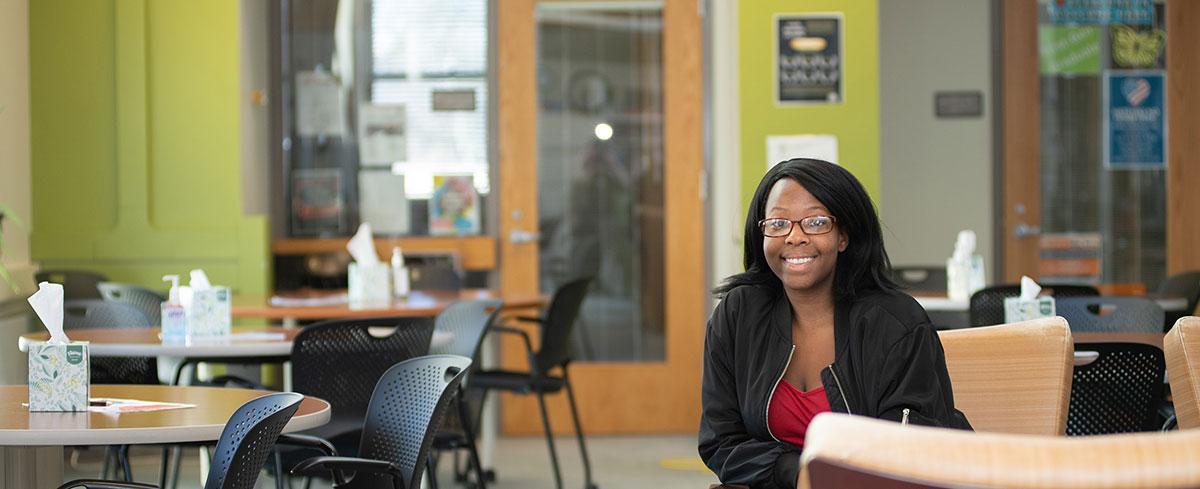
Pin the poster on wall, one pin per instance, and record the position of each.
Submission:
(808, 58)
(1135, 120)
(454, 206)
(382, 135)
(818, 146)
(319, 110)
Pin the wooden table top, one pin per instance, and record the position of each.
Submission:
(214, 406)
(246, 341)
(418, 303)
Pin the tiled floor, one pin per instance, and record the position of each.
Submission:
(658, 462)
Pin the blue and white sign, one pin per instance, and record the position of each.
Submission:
(1135, 119)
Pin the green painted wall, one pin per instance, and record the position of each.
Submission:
(135, 142)
(855, 121)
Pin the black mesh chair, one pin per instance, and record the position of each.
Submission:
(1117, 392)
(925, 279)
(554, 353)
(96, 313)
(1109, 314)
(77, 284)
(146, 300)
(243, 448)
(466, 321)
(987, 304)
(340, 361)
(407, 407)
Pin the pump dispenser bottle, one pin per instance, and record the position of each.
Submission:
(174, 318)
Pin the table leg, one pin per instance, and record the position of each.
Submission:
(31, 467)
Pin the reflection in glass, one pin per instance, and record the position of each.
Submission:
(1100, 223)
(600, 168)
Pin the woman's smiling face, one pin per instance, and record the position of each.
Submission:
(804, 263)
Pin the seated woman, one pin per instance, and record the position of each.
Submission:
(814, 324)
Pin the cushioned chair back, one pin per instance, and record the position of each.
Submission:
(248, 438)
(1012, 378)
(146, 300)
(941, 457)
(97, 313)
(77, 284)
(1182, 348)
(407, 407)
(558, 324)
(1117, 392)
(1185, 285)
(340, 361)
(466, 321)
(925, 279)
(1109, 314)
(987, 304)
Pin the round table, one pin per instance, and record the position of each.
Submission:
(31, 444)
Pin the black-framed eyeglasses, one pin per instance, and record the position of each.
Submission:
(777, 227)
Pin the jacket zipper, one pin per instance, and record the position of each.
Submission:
(767, 410)
(841, 391)
(904, 420)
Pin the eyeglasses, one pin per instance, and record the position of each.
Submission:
(812, 225)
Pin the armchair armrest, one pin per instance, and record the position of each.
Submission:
(516, 331)
(307, 441)
(531, 319)
(337, 466)
(102, 484)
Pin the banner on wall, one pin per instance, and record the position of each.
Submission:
(1133, 12)
(808, 58)
(1135, 120)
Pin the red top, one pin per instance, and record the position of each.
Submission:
(791, 410)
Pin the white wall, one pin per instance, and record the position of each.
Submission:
(724, 174)
(15, 182)
(936, 173)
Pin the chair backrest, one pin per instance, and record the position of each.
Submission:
(1186, 285)
(927, 279)
(466, 320)
(1110, 314)
(248, 438)
(407, 407)
(557, 324)
(1012, 378)
(97, 313)
(941, 457)
(146, 300)
(341, 360)
(1118, 392)
(1182, 348)
(434, 272)
(987, 304)
(77, 284)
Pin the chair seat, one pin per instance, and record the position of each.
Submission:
(513, 381)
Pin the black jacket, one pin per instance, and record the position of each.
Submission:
(887, 359)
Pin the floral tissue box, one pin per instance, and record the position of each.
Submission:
(209, 313)
(59, 377)
(1017, 309)
(370, 284)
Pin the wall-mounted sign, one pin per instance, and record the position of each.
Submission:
(1068, 50)
(1136, 12)
(1135, 119)
(958, 103)
(808, 58)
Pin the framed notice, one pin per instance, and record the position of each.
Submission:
(808, 58)
(1135, 120)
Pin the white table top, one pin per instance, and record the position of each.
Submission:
(214, 406)
(944, 304)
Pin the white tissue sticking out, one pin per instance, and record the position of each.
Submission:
(1029, 289)
(362, 246)
(199, 280)
(964, 245)
(47, 302)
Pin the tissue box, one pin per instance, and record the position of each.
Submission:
(209, 313)
(1017, 309)
(370, 284)
(59, 377)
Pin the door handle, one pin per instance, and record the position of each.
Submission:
(518, 236)
(1022, 230)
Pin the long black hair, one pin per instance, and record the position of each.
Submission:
(863, 266)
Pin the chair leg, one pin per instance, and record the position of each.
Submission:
(587, 464)
(431, 471)
(165, 466)
(469, 432)
(280, 477)
(550, 440)
(123, 453)
(108, 456)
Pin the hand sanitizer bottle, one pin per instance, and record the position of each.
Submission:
(399, 274)
(174, 317)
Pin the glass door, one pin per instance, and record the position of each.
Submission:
(611, 136)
